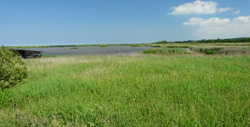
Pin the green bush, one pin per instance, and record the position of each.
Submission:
(210, 52)
(12, 69)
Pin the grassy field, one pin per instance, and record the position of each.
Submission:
(132, 90)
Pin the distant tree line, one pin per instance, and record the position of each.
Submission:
(232, 40)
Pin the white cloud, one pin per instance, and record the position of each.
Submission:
(220, 28)
(198, 7)
(203, 22)
(237, 12)
(242, 19)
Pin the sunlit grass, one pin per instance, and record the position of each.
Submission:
(134, 90)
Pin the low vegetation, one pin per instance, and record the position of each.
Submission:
(166, 51)
(137, 45)
(103, 45)
(210, 50)
(227, 40)
(235, 50)
(134, 90)
(155, 46)
(74, 47)
(221, 50)
(176, 46)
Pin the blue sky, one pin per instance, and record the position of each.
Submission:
(59, 22)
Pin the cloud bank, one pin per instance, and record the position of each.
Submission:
(198, 7)
(220, 28)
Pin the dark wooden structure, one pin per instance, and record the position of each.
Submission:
(28, 53)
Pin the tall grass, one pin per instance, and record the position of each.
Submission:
(166, 51)
(222, 50)
(235, 50)
(137, 90)
(206, 50)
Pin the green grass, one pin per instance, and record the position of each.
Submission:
(136, 90)
(166, 51)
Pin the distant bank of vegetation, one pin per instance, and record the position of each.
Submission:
(232, 40)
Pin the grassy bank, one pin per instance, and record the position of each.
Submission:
(136, 90)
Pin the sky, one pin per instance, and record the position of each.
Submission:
(66, 22)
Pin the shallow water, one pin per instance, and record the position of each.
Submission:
(95, 50)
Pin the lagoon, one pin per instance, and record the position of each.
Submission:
(91, 50)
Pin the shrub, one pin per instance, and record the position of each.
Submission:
(210, 52)
(12, 69)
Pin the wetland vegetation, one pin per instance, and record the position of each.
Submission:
(164, 86)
